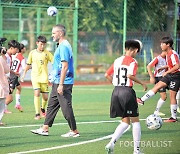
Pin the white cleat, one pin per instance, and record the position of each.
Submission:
(71, 134)
(110, 148)
(40, 131)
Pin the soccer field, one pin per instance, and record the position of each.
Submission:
(91, 108)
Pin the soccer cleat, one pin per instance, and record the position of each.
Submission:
(171, 119)
(40, 131)
(37, 117)
(19, 107)
(6, 111)
(110, 148)
(71, 134)
(43, 113)
(161, 114)
(139, 101)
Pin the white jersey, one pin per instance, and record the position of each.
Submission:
(123, 66)
(157, 63)
(18, 63)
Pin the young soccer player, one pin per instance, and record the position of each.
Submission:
(123, 100)
(18, 65)
(39, 59)
(159, 65)
(171, 78)
(13, 48)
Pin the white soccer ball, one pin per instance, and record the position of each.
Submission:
(154, 122)
(52, 11)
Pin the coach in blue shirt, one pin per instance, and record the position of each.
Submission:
(62, 78)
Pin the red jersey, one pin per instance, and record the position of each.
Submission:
(172, 59)
(123, 66)
(157, 63)
(18, 63)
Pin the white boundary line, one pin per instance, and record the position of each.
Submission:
(65, 146)
(78, 123)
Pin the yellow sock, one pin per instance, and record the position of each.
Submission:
(37, 104)
(44, 103)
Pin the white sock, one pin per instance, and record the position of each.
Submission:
(119, 131)
(18, 98)
(148, 95)
(159, 104)
(136, 130)
(178, 98)
(174, 110)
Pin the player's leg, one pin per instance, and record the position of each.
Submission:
(18, 98)
(178, 101)
(121, 128)
(160, 102)
(45, 91)
(173, 106)
(136, 131)
(151, 92)
(36, 87)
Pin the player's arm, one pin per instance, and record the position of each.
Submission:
(62, 77)
(149, 70)
(28, 66)
(175, 67)
(132, 77)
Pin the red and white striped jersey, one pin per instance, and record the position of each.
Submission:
(18, 63)
(172, 59)
(157, 63)
(123, 66)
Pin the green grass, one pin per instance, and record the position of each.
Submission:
(91, 103)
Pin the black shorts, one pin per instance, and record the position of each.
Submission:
(172, 81)
(157, 79)
(123, 103)
(13, 81)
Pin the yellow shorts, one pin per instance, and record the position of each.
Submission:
(42, 86)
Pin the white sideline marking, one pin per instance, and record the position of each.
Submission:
(78, 123)
(65, 146)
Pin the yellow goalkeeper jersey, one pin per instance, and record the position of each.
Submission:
(39, 61)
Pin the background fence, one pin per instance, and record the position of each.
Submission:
(102, 27)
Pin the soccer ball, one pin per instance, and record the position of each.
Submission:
(154, 122)
(52, 11)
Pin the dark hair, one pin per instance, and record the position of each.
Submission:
(133, 44)
(14, 44)
(167, 40)
(41, 39)
(62, 28)
(21, 46)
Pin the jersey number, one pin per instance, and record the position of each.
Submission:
(122, 74)
(14, 65)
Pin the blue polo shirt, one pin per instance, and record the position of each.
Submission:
(63, 53)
